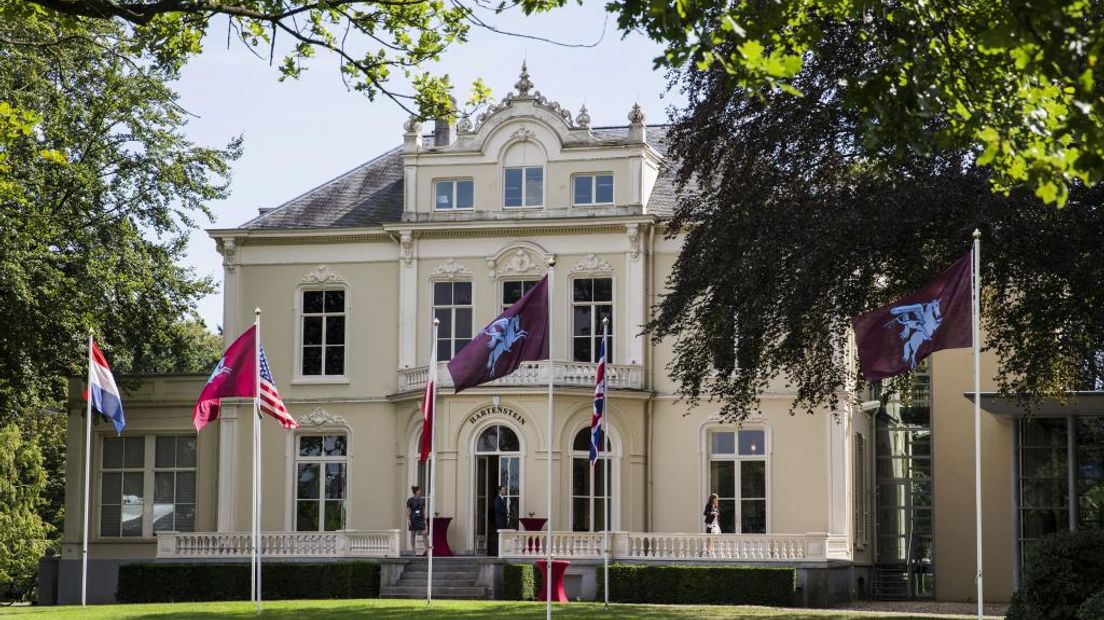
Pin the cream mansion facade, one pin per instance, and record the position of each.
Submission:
(456, 226)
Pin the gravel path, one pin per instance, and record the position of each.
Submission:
(996, 610)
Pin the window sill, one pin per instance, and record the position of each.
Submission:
(523, 208)
(460, 209)
(593, 205)
(321, 380)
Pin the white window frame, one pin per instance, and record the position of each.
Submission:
(502, 305)
(614, 490)
(322, 460)
(611, 355)
(708, 457)
(297, 372)
(433, 311)
(454, 181)
(147, 470)
(594, 189)
(524, 187)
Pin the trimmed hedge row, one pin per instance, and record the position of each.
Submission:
(519, 582)
(167, 583)
(701, 585)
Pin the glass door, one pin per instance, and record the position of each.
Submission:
(497, 463)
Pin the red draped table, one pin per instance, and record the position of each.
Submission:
(559, 567)
(440, 537)
(533, 524)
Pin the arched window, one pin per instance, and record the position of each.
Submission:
(590, 498)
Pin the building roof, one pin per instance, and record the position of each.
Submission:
(372, 193)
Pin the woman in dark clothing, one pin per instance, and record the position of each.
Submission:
(712, 515)
(415, 512)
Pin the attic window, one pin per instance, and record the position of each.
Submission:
(453, 194)
(524, 186)
(593, 189)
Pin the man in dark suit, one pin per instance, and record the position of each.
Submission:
(501, 519)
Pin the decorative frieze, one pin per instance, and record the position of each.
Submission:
(322, 275)
(450, 269)
(592, 264)
(321, 417)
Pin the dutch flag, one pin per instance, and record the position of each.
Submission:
(104, 393)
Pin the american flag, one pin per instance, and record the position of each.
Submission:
(270, 401)
(599, 404)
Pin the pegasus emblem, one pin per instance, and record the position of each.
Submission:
(918, 324)
(221, 369)
(504, 333)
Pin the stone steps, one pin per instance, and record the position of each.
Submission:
(453, 578)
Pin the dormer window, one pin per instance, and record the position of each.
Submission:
(453, 194)
(524, 186)
(593, 189)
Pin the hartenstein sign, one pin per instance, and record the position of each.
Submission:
(504, 411)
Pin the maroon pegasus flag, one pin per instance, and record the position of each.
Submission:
(235, 375)
(894, 338)
(519, 334)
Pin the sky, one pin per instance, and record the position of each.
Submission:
(300, 134)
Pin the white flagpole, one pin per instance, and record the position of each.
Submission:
(551, 377)
(257, 457)
(432, 453)
(976, 315)
(87, 477)
(606, 464)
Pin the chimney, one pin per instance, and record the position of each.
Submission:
(444, 132)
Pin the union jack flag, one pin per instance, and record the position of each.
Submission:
(269, 397)
(599, 404)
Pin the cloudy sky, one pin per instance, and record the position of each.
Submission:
(299, 134)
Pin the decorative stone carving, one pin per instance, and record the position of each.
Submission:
(321, 417)
(592, 264)
(228, 247)
(519, 261)
(322, 275)
(636, 115)
(464, 125)
(582, 121)
(523, 134)
(450, 269)
(633, 232)
(523, 85)
(412, 125)
(406, 246)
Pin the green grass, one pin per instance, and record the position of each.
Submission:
(407, 609)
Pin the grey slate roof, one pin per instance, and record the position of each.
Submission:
(372, 194)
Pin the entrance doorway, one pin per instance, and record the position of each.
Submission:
(497, 463)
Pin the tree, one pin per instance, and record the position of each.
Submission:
(374, 39)
(1016, 82)
(23, 533)
(794, 223)
(97, 203)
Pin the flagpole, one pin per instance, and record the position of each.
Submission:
(432, 379)
(87, 477)
(976, 315)
(551, 377)
(257, 456)
(606, 464)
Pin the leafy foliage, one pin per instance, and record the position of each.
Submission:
(23, 533)
(1018, 81)
(794, 223)
(519, 582)
(703, 585)
(1062, 571)
(160, 583)
(374, 39)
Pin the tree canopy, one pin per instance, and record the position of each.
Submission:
(794, 223)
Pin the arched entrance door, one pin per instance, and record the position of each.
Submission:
(497, 463)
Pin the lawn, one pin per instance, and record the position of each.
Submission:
(406, 610)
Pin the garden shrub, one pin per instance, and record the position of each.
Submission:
(1092, 608)
(1061, 572)
(708, 585)
(166, 583)
(519, 582)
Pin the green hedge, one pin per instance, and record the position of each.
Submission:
(708, 585)
(1060, 573)
(519, 582)
(166, 583)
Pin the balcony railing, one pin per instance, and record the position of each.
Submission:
(358, 543)
(565, 374)
(816, 547)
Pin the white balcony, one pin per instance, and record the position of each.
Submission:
(535, 374)
(342, 544)
(769, 548)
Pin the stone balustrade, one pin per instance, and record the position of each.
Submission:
(342, 544)
(565, 374)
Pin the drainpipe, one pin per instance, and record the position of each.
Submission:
(649, 413)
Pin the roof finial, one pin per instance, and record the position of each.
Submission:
(583, 118)
(523, 84)
(636, 115)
